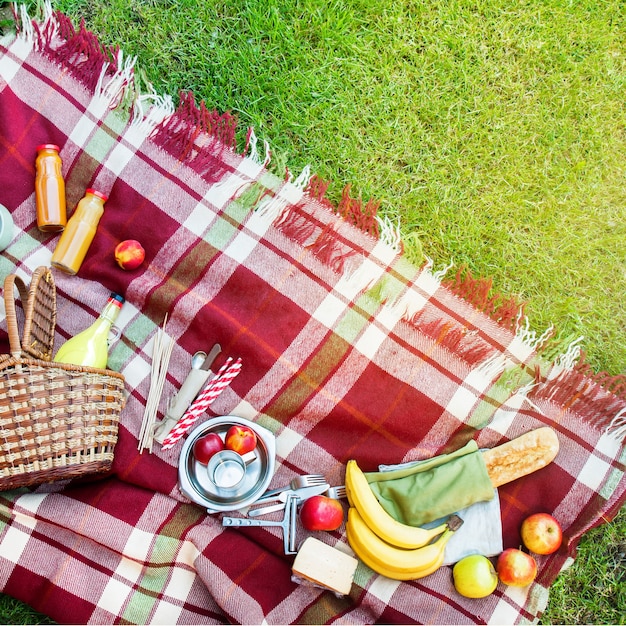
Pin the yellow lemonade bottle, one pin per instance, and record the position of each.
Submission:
(91, 346)
(79, 232)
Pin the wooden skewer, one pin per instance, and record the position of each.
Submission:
(161, 354)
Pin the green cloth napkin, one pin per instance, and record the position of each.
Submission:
(430, 489)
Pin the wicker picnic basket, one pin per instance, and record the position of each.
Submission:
(57, 421)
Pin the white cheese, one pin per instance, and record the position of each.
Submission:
(325, 566)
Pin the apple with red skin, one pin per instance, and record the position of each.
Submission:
(205, 447)
(240, 439)
(129, 254)
(516, 568)
(541, 533)
(321, 513)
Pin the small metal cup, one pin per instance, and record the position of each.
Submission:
(226, 470)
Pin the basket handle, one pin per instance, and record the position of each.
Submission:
(38, 302)
(13, 330)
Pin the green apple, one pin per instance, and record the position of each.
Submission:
(475, 576)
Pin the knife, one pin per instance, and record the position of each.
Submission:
(301, 495)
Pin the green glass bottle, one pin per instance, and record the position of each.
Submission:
(91, 346)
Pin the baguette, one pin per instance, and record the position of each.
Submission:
(521, 456)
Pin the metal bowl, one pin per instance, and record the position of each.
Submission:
(193, 477)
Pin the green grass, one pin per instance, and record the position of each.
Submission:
(593, 589)
(494, 130)
(496, 133)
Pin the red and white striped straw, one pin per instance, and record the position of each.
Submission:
(222, 379)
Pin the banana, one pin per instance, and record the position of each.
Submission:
(362, 498)
(391, 561)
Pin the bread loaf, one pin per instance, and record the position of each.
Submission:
(521, 456)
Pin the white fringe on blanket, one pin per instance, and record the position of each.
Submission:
(150, 110)
(148, 113)
(617, 427)
(253, 152)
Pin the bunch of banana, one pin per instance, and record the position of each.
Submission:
(385, 545)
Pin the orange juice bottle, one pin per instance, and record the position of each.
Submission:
(49, 189)
(79, 232)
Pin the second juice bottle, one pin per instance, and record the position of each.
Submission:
(79, 232)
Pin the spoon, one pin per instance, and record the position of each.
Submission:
(198, 359)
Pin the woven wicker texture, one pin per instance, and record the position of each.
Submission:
(57, 421)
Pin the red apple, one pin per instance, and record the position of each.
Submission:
(516, 568)
(205, 447)
(321, 513)
(240, 439)
(541, 533)
(129, 254)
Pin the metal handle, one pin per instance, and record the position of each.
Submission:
(288, 524)
(281, 496)
(267, 496)
(246, 521)
(266, 509)
(114, 334)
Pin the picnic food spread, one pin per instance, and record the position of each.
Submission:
(223, 467)
(289, 400)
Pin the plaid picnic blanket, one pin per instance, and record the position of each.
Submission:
(349, 351)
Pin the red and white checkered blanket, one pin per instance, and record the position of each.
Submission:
(349, 352)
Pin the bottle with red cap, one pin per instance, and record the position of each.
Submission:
(49, 189)
(79, 232)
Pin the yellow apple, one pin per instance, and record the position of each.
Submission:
(474, 576)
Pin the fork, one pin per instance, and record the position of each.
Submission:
(336, 493)
(306, 480)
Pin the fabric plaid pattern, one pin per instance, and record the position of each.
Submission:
(348, 350)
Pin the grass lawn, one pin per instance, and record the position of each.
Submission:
(493, 130)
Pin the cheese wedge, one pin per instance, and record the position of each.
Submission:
(324, 566)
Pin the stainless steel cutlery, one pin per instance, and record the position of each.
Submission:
(306, 480)
(300, 494)
(288, 523)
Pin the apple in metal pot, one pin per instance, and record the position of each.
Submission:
(516, 568)
(129, 254)
(321, 513)
(474, 576)
(541, 533)
(205, 447)
(240, 439)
